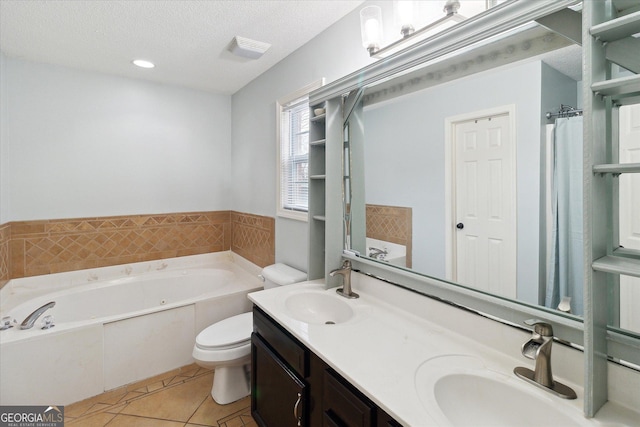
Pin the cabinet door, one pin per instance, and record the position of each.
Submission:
(384, 420)
(278, 396)
(344, 406)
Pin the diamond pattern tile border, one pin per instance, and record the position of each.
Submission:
(391, 224)
(253, 237)
(29, 248)
(5, 234)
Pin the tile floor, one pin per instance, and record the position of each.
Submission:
(180, 398)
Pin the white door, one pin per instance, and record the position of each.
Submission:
(485, 200)
(630, 213)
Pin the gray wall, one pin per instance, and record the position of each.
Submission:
(77, 144)
(333, 54)
(4, 146)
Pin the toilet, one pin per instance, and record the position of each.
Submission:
(226, 345)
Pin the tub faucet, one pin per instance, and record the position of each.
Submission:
(31, 319)
(538, 348)
(345, 272)
(377, 253)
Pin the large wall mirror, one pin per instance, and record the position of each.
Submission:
(469, 170)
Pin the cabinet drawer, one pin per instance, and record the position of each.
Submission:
(287, 347)
(343, 405)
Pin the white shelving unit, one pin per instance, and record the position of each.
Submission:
(607, 39)
(317, 191)
(325, 191)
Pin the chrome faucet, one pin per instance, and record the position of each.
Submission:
(538, 348)
(31, 319)
(345, 272)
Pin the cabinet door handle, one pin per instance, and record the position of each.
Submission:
(295, 410)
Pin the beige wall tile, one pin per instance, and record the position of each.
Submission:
(29, 248)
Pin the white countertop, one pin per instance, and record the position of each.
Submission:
(380, 349)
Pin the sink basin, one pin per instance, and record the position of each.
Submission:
(318, 308)
(461, 391)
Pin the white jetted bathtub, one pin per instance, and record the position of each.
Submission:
(114, 325)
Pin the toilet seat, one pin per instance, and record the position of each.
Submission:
(227, 334)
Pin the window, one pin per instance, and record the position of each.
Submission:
(293, 153)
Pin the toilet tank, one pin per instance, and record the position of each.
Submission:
(281, 275)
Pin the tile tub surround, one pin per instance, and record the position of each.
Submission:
(391, 224)
(5, 268)
(31, 248)
(253, 238)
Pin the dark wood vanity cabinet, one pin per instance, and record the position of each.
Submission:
(291, 386)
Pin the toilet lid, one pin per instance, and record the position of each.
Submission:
(227, 333)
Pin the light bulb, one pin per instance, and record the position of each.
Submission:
(371, 26)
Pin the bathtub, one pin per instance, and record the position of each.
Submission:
(114, 325)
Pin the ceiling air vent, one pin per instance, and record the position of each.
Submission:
(248, 48)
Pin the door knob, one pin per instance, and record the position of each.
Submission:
(459, 226)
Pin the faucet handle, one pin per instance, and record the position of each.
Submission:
(6, 323)
(540, 327)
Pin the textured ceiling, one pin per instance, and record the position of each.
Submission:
(186, 39)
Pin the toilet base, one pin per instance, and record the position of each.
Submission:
(230, 383)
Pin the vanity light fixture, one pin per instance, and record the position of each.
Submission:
(143, 63)
(371, 26)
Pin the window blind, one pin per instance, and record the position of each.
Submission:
(294, 155)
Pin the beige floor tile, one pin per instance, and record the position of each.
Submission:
(155, 379)
(132, 421)
(178, 379)
(116, 409)
(155, 386)
(190, 372)
(112, 397)
(176, 403)
(248, 420)
(130, 396)
(97, 420)
(209, 413)
(79, 408)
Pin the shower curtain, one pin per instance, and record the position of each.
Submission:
(564, 262)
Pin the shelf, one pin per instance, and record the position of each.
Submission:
(617, 168)
(623, 90)
(626, 5)
(317, 177)
(617, 29)
(319, 217)
(318, 142)
(319, 118)
(618, 265)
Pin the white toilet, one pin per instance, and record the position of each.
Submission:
(226, 345)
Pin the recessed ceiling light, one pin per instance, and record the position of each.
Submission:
(142, 63)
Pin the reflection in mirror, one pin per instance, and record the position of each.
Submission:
(629, 214)
(430, 138)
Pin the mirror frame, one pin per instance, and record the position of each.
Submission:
(504, 17)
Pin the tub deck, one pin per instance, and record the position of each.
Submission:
(128, 323)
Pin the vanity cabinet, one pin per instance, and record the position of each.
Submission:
(281, 394)
(291, 386)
